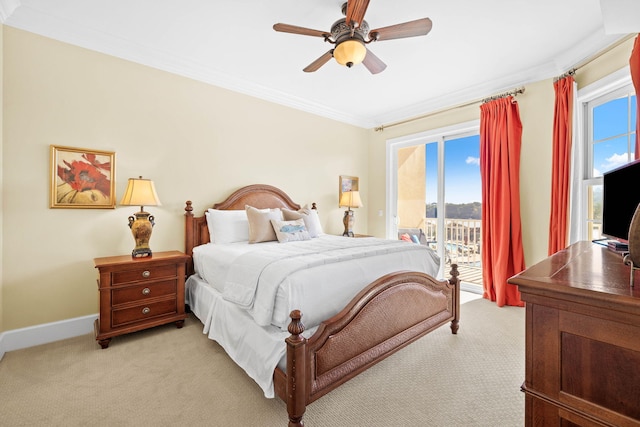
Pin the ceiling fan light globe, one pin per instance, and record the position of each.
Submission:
(350, 52)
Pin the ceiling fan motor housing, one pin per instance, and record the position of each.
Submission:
(340, 31)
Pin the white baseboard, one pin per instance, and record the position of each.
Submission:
(48, 332)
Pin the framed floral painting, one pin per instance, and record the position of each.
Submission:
(82, 178)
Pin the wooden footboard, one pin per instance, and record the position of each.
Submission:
(386, 316)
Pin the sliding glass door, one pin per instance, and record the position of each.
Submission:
(434, 190)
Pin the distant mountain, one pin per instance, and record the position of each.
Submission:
(457, 211)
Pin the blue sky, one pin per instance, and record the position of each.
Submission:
(611, 134)
(462, 170)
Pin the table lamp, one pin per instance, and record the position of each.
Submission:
(349, 199)
(141, 192)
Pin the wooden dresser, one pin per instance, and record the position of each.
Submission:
(138, 293)
(582, 339)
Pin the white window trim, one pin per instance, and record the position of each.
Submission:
(579, 157)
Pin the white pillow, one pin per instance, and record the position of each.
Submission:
(310, 217)
(227, 226)
(260, 228)
(290, 231)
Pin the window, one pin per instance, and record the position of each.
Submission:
(605, 141)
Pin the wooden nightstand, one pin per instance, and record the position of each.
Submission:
(139, 293)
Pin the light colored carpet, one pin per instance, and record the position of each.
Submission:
(168, 376)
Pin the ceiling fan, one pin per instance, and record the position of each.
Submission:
(351, 34)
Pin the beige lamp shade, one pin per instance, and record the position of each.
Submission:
(350, 52)
(351, 199)
(140, 192)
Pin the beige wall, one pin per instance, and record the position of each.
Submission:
(196, 142)
(536, 113)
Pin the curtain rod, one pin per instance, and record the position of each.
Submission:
(433, 113)
(466, 104)
(504, 95)
(571, 72)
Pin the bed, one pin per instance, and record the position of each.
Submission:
(300, 364)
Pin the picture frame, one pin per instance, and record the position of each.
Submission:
(82, 178)
(347, 183)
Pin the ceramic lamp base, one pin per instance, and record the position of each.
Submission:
(141, 226)
(348, 221)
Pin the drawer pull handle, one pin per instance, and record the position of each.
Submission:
(146, 291)
(146, 310)
(146, 274)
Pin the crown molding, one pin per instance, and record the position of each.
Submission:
(52, 27)
(620, 16)
(7, 7)
(39, 22)
(570, 58)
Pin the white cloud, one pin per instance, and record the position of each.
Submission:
(615, 161)
(473, 161)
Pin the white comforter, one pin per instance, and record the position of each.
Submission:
(318, 276)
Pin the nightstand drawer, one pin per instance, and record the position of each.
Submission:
(142, 312)
(149, 273)
(143, 291)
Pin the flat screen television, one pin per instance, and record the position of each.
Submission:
(621, 195)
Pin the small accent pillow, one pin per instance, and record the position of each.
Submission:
(405, 237)
(227, 226)
(290, 231)
(415, 239)
(310, 217)
(260, 228)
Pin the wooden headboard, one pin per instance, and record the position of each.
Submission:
(259, 196)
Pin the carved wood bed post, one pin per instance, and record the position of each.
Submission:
(455, 282)
(296, 370)
(189, 237)
(188, 212)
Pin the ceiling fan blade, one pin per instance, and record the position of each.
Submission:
(419, 27)
(286, 28)
(373, 63)
(319, 62)
(356, 10)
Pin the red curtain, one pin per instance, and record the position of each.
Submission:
(561, 164)
(502, 255)
(634, 64)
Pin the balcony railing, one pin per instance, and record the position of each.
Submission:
(462, 243)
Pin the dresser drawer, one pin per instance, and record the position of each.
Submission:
(143, 291)
(142, 312)
(142, 273)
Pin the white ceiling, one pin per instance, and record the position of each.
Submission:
(477, 48)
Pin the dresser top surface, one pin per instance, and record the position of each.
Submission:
(584, 268)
